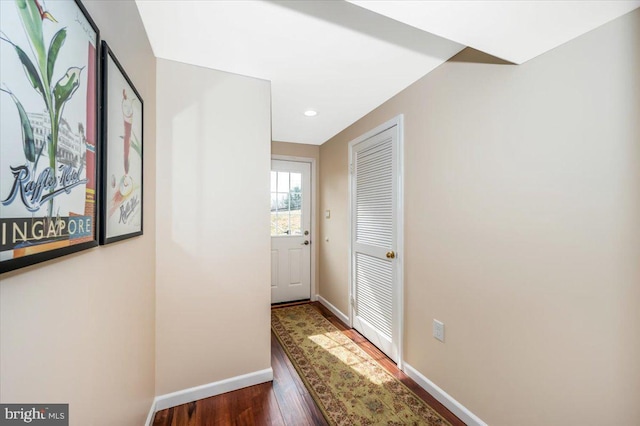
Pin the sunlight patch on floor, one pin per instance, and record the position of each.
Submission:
(362, 363)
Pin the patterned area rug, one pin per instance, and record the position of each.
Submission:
(350, 387)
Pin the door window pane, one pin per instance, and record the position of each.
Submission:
(283, 182)
(295, 181)
(295, 219)
(283, 202)
(274, 223)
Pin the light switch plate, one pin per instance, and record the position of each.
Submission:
(438, 330)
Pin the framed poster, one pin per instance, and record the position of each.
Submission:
(48, 131)
(121, 213)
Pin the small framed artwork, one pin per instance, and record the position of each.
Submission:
(122, 143)
(49, 58)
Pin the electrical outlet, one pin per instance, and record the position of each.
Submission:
(438, 330)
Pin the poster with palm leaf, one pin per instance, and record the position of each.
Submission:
(48, 130)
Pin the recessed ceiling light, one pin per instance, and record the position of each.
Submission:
(310, 113)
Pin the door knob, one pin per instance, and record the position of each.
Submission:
(391, 255)
(305, 243)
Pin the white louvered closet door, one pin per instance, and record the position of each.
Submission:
(373, 264)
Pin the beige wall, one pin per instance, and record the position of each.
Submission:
(213, 262)
(522, 218)
(295, 149)
(80, 329)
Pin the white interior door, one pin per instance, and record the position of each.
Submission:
(376, 290)
(290, 231)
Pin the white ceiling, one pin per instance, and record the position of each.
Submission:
(342, 59)
(515, 31)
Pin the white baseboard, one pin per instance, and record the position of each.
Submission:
(335, 311)
(444, 398)
(152, 412)
(173, 399)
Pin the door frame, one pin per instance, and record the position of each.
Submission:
(314, 239)
(398, 307)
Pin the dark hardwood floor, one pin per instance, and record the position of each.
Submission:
(286, 401)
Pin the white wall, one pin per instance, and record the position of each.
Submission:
(213, 261)
(80, 329)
